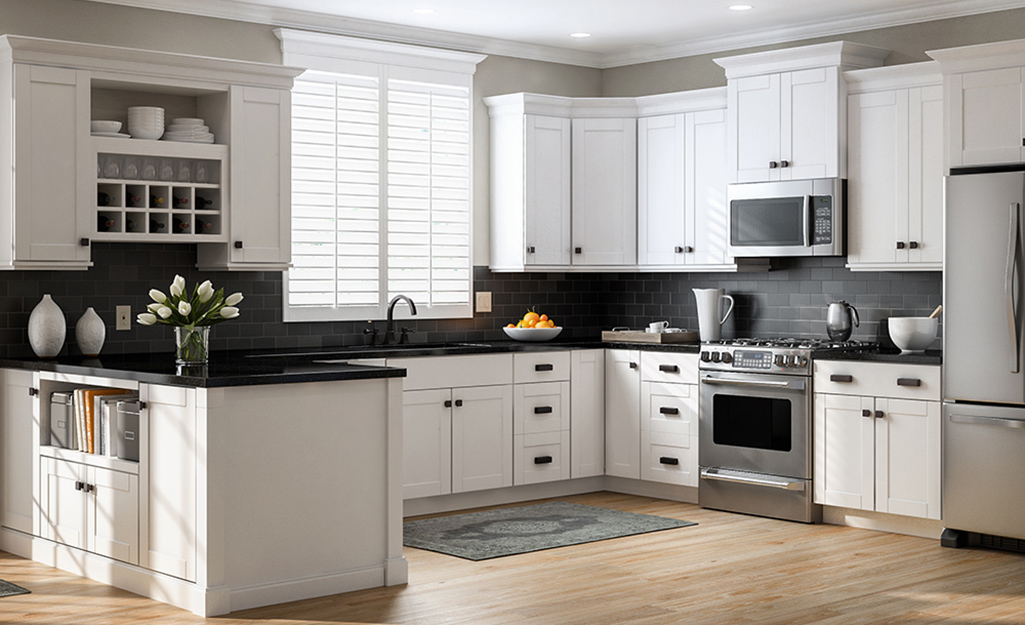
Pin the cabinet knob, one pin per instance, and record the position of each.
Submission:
(578, 250)
(913, 245)
(784, 163)
(900, 245)
(84, 242)
(773, 164)
(79, 486)
(448, 403)
(459, 403)
(866, 413)
(633, 365)
(238, 245)
(879, 414)
(686, 249)
(530, 249)
(33, 391)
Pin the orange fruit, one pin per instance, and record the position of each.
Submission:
(511, 325)
(544, 318)
(531, 316)
(531, 323)
(521, 324)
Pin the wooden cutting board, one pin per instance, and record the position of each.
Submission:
(640, 336)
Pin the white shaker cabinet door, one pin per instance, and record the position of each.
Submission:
(844, 451)
(604, 215)
(482, 430)
(426, 443)
(661, 167)
(754, 129)
(62, 502)
(587, 413)
(810, 124)
(547, 182)
(623, 413)
(986, 124)
(908, 458)
(705, 193)
(19, 435)
(53, 168)
(113, 514)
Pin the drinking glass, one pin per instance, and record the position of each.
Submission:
(167, 170)
(149, 169)
(111, 166)
(131, 169)
(184, 171)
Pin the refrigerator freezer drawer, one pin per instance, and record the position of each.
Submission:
(984, 461)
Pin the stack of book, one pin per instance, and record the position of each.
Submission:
(89, 422)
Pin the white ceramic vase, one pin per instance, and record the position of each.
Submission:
(90, 333)
(47, 328)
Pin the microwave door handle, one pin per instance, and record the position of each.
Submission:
(1012, 259)
(808, 221)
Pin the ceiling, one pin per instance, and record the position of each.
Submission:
(622, 32)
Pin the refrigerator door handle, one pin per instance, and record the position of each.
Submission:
(1012, 257)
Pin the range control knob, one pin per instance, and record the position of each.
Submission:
(803, 361)
(778, 360)
(727, 357)
(791, 360)
(715, 356)
(706, 357)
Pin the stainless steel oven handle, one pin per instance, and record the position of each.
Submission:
(1007, 423)
(782, 483)
(766, 384)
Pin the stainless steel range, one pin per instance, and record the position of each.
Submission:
(755, 425)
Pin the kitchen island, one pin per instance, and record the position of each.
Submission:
(257, 481)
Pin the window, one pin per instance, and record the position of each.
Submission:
(381, 179)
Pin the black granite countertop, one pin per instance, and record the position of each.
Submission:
(885, 354)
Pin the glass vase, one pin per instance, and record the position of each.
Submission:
(192, 345)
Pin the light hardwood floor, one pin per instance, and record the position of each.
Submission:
(730, 568)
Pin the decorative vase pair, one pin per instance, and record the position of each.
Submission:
(47, 330)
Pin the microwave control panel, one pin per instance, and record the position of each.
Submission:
(822, 219)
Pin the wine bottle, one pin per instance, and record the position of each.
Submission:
(131, 225)
(180, 225)
(180, 202)
(134, 201)
(103, 199)
(156, 226)
(156, 201)
(202, 202)
(104, 223)
(203, 226)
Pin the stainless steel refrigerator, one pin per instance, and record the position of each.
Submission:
(984, 358)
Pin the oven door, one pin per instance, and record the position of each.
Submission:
(755, 422)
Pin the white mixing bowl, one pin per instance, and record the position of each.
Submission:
(912, 334)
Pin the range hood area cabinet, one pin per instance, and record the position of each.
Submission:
(985, 87)
(895, 168)
(563, 182)
(55, 200)
(786, 109)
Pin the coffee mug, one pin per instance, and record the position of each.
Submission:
(657, 326)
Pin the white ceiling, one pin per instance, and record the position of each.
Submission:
(622, 32)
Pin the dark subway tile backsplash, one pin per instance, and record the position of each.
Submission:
(790, 300)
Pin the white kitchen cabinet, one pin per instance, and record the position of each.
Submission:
(623, 413)
(877, 437)
(427, 447)
(19, 444)
(786, 111)
(546, 190)
(46, 169)
(541, 441)
(604, 195)
(669, 433)
(895, 154)
(482, 438)
(681, 189)
(587, 412)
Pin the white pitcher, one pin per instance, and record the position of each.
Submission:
(710, 312)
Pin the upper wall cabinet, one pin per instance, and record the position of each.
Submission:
(64, 187)
(895, 168)
(985, 87)
(786, 116)
(563, 182)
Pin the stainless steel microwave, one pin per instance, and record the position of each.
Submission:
(786, 218)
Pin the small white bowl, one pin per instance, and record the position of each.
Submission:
(145, 133)
(532, 335)
(104, 125)
(912, 334)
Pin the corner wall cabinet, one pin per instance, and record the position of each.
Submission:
(65, 188)
(895, 166)
(787, 111)
(985, 93)
(877, 437)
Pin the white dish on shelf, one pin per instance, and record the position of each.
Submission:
(532, 335)
(104, 125)
(119, 135)
(186, 121)
(145, 133)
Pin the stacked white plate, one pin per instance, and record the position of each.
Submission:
(145, 122)
(189, 129)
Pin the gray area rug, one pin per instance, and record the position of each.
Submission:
(7, 589)
(508, 531)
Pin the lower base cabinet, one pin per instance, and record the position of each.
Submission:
(541, 418)
(669, 433)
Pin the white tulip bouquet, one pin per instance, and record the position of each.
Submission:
(191, 315)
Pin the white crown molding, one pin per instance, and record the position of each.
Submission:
(843, 54)
(907, 75)
(290, 18)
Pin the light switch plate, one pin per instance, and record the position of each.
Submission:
(483, 301)
(124, 318)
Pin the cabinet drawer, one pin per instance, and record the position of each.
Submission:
(541, 457)
(670, 408)
(669, 458)
(669, 367)
(540, 367)
(454, 371)
(877, 379)
(542, 407)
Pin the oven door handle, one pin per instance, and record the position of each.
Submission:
(747, 478)
(795, 384)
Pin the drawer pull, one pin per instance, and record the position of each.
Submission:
(633, 365)
(459, 403)
(879, 414)
(909, 382)
(836, 377)
(542, 410)
(669, 410)
(866, 413)
(669, 368)
(33, 391)
(668, 460)
(543, 460)
(545, 367)
(448, 403)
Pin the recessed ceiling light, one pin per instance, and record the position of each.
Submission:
(580, 35)
(423, 11)
(740, 7)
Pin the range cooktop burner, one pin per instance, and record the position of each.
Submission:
(794, 343)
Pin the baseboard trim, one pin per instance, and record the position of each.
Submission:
(883, 522)
(260, 595)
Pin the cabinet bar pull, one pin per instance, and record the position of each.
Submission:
(866, 413)
(459, 403)
(879, 414)
(33, 391)
(909, 382)
(542, 410)
(545, 367)
(668, 460)
(837, 377)
(448, 403)
(669, 410)
(669, 368)
(238, 245)
(543, 460)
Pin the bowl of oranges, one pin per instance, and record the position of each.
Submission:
(533, 327)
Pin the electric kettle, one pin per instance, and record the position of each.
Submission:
(841, 319)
